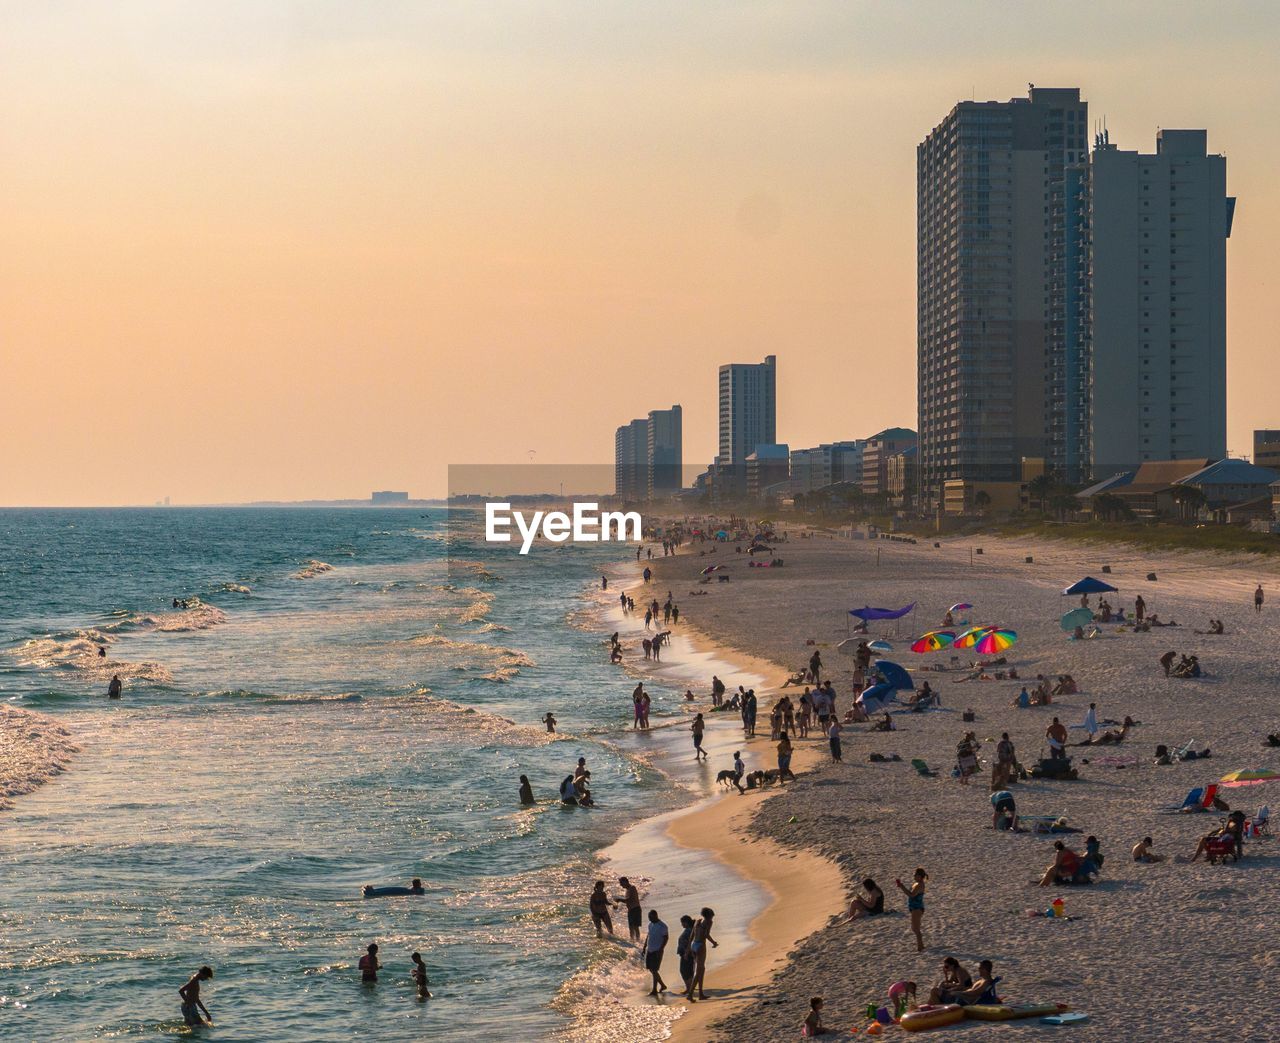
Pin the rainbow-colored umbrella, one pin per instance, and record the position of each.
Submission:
(971, 637)
(995, 641)
(934, 641)
(1249, 777)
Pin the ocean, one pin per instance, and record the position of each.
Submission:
(345, 697)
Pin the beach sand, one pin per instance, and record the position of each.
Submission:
(1151, 948)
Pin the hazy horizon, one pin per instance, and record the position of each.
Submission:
(292, 251)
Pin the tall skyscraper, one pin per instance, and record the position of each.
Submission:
(992, 258)
(1154, 235)
(630, 460)
(748, 409)
(648, 457)
(664, 452)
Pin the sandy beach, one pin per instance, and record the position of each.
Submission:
(1149, 948)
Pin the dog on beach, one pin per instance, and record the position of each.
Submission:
(725, 778)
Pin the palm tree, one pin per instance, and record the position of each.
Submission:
(1039, 488)
(1189, 499)
(981, 501)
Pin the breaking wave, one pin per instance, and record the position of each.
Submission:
(311, 568)
(501, 664)
(33, 749)
(81, 651)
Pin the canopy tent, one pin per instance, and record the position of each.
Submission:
(868, 613)
(1089, 585)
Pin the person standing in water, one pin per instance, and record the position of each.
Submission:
(526, 790)
(698, 727)
(192, 1005)
(915, 904)
(631, 899)
(113, 689)
(550, 721)
(369, 966)
(420, 977)
(599, 905)
(698, 945)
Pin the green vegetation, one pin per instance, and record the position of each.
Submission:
(1150, 535)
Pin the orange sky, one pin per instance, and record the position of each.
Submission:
(268, 250)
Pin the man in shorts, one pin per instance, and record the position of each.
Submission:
(631, 899)
(655, 945)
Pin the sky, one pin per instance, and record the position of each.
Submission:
(269, 250)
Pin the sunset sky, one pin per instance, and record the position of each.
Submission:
(279, 250)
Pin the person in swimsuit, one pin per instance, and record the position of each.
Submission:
(526, 790)
(369, 966)
(869, 903)
(420, 977)
(698, 727)
(550, 721)
(631, 899)
(701, 939)
(192, 1006)
(955, 979)
(685, 952)
(599, 904)
(915, 903)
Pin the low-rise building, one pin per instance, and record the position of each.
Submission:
(876, 454)
(1266, 448)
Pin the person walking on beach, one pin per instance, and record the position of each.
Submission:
(655, 945)
(698, 727)
(833, 736)
(815, 666)
(675, 615)
(1139, 608)
(749, 713)
(784, 759)
(631, 899)
(915, 903)
(1257, 599)
(1091, 721)
(192, 1006)
(604, 582)
(599, 906)
(369, 966)
(739, 770)
(1166, 661)
(684, 951)
(420, 977)
(701, 939)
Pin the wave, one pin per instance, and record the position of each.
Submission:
(235, 588)
(502, 664)
(311, 568)
(477, 604)
(494, 728)
(33, 749)
(81, 650)
(276, 697)
(194, 615)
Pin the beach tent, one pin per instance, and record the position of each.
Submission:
(1089, 585)
(869, 613)
(894, 675)
(890, 679)
(876, 698)
(1077, 617)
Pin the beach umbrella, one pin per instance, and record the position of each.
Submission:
(880, 646)
(960, 606)
(895, 676)
(995, 641)
(934, 641)
(1089, 585)
(1249, 777)
(1077, 617)
(722, 534)
(711, 568)
(970, 637)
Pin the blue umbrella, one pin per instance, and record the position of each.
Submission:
(1089, 585)
(894, 675)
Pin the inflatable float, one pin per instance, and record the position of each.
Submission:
(370, 891)
(929, 1016)
(1009, 1011)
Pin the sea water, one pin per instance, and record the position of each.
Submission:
(342, 697)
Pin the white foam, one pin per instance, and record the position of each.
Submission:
(312, 567)
(33, 749)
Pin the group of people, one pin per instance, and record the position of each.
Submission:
(575, 788)
(1186, 666)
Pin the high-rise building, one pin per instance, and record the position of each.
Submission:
(630, 460)
(1266, 449)
(748, 409)
(664, 453)
(1154, 253)
(648, 459)
(992, 256)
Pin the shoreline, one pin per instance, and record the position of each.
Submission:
(716, 826)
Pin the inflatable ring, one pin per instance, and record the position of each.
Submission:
(931, 1017)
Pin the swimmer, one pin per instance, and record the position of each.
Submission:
(113, 689)
(420, 977)
(369, 966)
(192, 1005)
(549, 720)
(526, 790)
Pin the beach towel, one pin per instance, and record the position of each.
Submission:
(923, 769)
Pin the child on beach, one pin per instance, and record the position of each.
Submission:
(813, 1023)
(915, 903)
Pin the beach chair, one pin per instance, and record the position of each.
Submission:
(923, 769)
(1199, 798)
